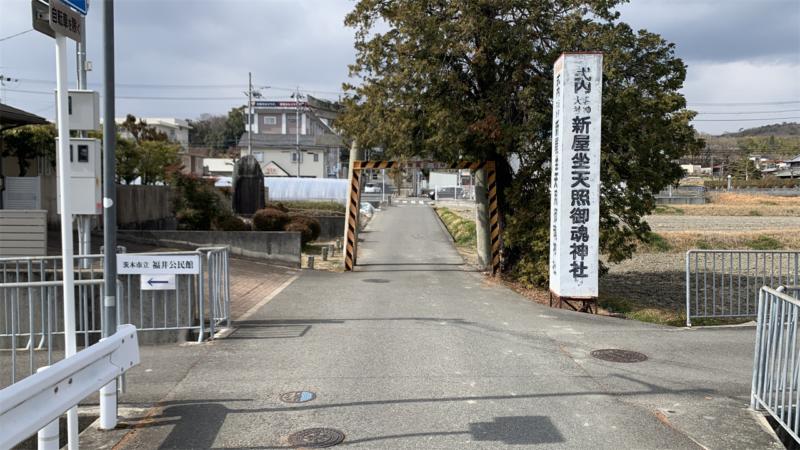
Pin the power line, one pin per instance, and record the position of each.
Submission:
(752, 112)
(184, 86)
(15, 35)
(744, 120)
(743, 104)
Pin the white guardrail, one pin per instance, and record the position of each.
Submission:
(776, 364)
(37, 401)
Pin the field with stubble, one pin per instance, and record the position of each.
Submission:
(655, 277)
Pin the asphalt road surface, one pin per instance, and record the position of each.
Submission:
(414, 350)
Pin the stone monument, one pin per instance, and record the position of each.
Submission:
(248, 186)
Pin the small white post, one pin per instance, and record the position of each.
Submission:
(48, 436)
(66, 221)
(108, 406)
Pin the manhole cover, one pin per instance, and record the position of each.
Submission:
(298, 396)
(620, 356)
(375, 280)
(316, 438)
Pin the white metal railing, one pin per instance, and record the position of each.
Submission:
(31, 303)
(36, 402)
(776, 363)
(726, 283)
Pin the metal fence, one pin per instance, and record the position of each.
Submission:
(776, 364)
(31, 291)
(725, 283)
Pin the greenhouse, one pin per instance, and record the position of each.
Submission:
(282, 189)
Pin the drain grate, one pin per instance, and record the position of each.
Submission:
(620, 356)
(298, 396)
(375, 280)
(316, 438)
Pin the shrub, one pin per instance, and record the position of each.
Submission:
(755, 213)
(305, 231)
(322, 206)
(275, 205)
(310, 222)
(764, 243)
(703, 245)
(196, 202)
(269, 219)
(657, 241)
(790, 185)
(230, 223)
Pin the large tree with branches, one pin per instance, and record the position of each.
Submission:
(472, 80)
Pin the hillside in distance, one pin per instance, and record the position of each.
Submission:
(784, 129)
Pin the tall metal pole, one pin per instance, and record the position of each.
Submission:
(250, 113)
(297, 128)
(108, 394)
(84, 221)
(66, 220)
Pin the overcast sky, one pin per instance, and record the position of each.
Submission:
(739, 52)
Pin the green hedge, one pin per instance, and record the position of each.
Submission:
(325, 206)
(763, 184)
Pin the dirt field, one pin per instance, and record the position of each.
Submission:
(720, 223)
(653, 279)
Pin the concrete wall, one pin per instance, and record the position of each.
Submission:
(274, 247)
(777, 192)
(331, 227)
(675, 200)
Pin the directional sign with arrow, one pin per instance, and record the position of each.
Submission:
(157, 282)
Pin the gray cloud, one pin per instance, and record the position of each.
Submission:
(722, 31)
(737, 51)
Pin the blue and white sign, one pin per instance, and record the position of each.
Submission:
(82, 6)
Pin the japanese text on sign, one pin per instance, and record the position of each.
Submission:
(575, 178)
(157, 264)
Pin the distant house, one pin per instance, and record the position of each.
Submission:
(219, 167)
(177, 130)
(789, 169)
(275, 127)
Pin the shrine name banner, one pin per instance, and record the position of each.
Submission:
(575, 178)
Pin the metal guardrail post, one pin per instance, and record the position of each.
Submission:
(688, 293)
(48, 436)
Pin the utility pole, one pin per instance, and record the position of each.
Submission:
(108, 394)
(249, 113)
(84, 221)
(297, 97)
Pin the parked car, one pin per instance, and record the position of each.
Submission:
(372, 187)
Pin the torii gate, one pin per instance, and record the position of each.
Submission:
(353, 206)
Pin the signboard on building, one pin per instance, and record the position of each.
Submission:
(265, 104)
(424, 165)
(155, 264)
(575, 179)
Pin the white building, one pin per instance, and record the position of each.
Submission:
(177, 130)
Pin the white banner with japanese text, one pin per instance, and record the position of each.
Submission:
(575, 178)
(155, 264)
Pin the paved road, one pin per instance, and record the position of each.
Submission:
(438, 357)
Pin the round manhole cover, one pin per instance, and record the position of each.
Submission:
(375, 280)
(298, 396)
(620, 356)
(316, 438)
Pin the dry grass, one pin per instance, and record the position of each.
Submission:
(747, 199)
(714, 209)
(682, 241)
